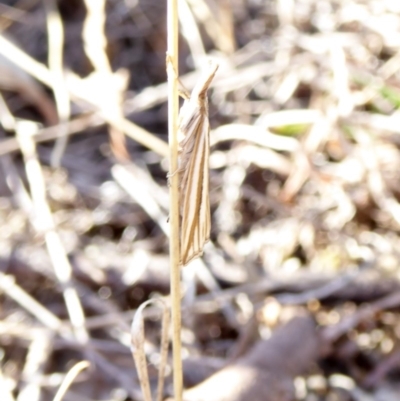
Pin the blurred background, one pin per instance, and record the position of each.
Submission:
(305, 190)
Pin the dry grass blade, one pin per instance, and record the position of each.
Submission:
(35, 364)
(69, 378)
(139, 355)
(136, 185)
(193, 160)
(56, 46)
(25, 62)
(45, 225)
(220, 30)
(190, 31)
(163, 352)
(15, 292)
(95, 43)
(86, 90)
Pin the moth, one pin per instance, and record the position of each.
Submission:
(193, 169)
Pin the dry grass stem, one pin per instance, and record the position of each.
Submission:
(40, 72)
(111, 95)
(48, 319)
(25, 62)
(174, 246)
(34, 368)
(56, 67)
(69, 378)
(44, 223)
(135, 185)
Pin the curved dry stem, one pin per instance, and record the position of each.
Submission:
(139, 355)
(69, 378)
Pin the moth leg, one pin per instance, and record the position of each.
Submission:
(169, 175)
(183, 92)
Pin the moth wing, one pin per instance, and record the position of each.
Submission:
(196, 218)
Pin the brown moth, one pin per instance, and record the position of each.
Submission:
(193, 169)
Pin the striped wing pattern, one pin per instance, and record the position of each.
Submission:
(193, 159)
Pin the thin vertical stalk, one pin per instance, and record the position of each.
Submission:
(173, 106)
